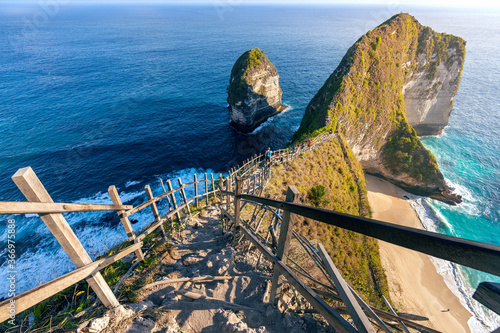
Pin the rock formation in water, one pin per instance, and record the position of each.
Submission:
(399, 75)
(254, 93)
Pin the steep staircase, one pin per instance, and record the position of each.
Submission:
(218, 290)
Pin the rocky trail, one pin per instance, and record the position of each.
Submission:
(208, 286)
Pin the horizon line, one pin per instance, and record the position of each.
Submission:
(433, 4)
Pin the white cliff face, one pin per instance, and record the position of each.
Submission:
(257, 98)
(429, 99)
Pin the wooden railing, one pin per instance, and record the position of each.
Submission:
(481, 256)
(40, 202)
(244, 185)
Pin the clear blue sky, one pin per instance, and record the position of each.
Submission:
(441, 3)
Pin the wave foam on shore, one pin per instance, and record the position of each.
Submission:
(482, 320)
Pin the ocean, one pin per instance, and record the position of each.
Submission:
(100, 95)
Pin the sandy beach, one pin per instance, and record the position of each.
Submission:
(415, 285)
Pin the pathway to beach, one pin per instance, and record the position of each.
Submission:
(415, 284)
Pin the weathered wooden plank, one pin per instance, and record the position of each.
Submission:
(36, 295)
(237, 202)
(33, 189)
(219, 187)
(172, 198)
(227, 214)
(368, 310)
(165, 191)
(213, 184)
(286, 232)
(206, 189)
(403, 326)
(155, 225)
(386, 315)
(481, 256)
(333, 318)
(183, 195)
(115, 197)
(199, 279)
(150, 202)
(358, 316)
(488, 294)
(196, 190)
(154, 209)
(19, 207)
(224, 304)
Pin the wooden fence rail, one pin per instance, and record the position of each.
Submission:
(19, 207)
(34, 296)
(40, 202)
(477, 255)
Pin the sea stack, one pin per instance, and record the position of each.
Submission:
(397, 78)
(254, 93)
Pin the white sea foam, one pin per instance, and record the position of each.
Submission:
(132, 183)
(482, 320)
(97, 233)
(270, 120)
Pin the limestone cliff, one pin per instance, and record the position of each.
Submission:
(254, 93)
(366, 99)
(432, 81)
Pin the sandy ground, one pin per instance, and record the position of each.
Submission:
(415, 285)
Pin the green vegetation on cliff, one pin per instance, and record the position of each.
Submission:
(363, 98)
(330, 177)
(241, 73)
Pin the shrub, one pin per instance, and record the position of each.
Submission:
(317, 196)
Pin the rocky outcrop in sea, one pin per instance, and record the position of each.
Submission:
(254, 93)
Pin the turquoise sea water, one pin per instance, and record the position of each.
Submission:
(92, 96)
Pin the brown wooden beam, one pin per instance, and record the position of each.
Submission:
(481, 256)
(19, 207)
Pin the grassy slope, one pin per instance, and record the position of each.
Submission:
(355, 255)
(363, 97)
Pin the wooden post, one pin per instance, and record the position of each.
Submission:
(403, 326)
(253, 182)
(358, 316)
(154, 210)
(237, 202)
(165, 191)
(115, 197)
(219, 187)
(228, 197)
(292, 195)
(333, 318)
(213, 184)
(488, 294)
(196, 190)
(183, 195)
(33, 189)
(206, 190)
(172, 196)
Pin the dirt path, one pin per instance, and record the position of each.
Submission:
(233, 305)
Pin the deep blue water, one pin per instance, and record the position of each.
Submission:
(92, 96)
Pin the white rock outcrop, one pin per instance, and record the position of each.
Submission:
(254, 93)
(429, 99)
